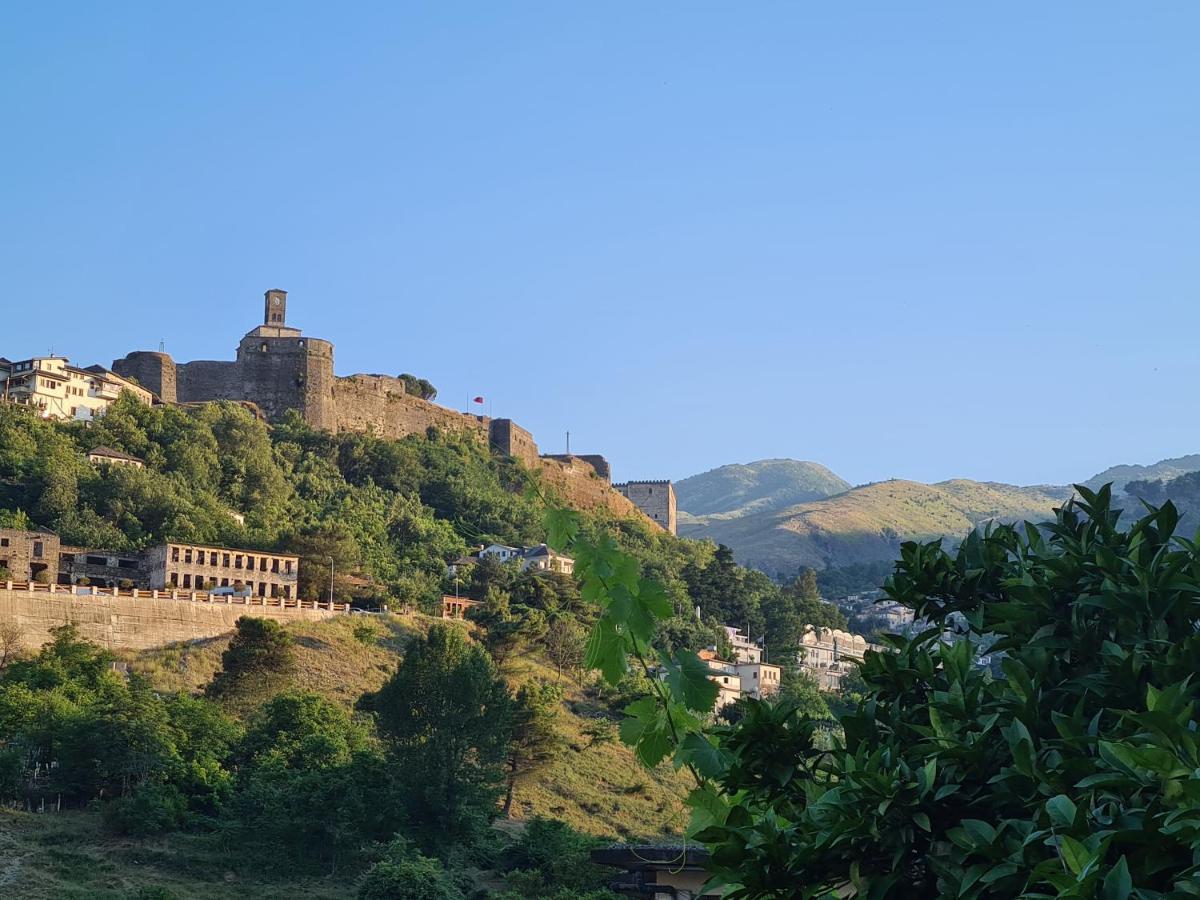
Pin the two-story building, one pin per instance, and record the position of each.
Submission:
(196, 567)
(540, 558)
(828, 654)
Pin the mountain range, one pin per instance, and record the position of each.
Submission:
(781, 515)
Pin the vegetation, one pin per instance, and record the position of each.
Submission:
(1070, 774)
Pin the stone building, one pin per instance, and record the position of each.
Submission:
(196, 567)
(107, 456)
(29, 554)
(654, 498)
(58, 390)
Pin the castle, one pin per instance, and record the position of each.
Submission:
(277, 368)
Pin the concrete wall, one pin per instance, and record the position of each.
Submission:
(128, 623)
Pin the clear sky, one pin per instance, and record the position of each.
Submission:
(903, 239)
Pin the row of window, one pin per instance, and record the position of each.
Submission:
(262, 589)
(223, 559)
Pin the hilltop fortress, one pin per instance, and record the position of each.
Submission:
(277, 368)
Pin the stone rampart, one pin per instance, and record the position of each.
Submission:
(135, 623)
(379, 404)
(577, 482)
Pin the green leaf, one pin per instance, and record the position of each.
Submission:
(700, 752)
(689, 681)
(922, 820)
(1074, 853)
(606, 652)
(1118, 883)
(654, 597)
(1061, 811)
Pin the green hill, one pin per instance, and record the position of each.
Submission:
(869, 522)
(741, 489)
(1163, 470)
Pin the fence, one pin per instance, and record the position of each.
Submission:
(32, 587)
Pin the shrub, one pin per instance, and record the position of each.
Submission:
(415, 878)
(151, 809)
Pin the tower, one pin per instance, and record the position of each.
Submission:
(275, 307)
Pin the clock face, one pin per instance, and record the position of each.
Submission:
(274, 301)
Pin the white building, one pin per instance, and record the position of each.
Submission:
(58, 390)
(540, 558)
(828, 654)
(737, 679)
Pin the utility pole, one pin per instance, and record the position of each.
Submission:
(331, 582)
(568, 443)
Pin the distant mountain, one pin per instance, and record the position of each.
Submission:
(737, 490)
(1163, 470)
(869, 522)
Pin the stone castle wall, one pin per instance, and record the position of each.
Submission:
(128, 623)
(656, 499)
(380, 404)
(511, 439)
(154, 371)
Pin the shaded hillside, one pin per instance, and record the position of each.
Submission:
(1163, 470)
(769, 484)
(869, 522)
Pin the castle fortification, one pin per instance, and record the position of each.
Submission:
(278, 368)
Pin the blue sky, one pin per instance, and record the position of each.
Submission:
(904, 239)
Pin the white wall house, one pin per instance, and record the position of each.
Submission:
(58, 390)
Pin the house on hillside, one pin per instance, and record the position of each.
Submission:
(55, 389)
(107, 456)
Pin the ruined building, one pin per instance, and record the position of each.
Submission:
(277, 368)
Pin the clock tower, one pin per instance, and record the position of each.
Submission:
(275, 308)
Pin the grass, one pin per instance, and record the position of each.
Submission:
(596, 787)
(69, 856)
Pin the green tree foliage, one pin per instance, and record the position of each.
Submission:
(550, 860)
(1071, 775)
(418, 387)
(405, 875)
(536, 740)
(260, 656)
(447, 718)
(300, 730)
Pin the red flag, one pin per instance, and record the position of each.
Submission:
(477, 400)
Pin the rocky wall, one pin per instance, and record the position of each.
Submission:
(379, 404)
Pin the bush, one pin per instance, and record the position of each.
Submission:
(414, 878)
(151, 809)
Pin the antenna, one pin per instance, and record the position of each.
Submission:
(162, 346)
(568, 443)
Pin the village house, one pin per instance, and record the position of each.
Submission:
(455, 608)
(107, 456)
(540, 558)
(57, 390)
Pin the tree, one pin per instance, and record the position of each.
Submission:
(12, 637)
(300, 730)
(535, 737)
(564, 642)
(447, 718)
(261, 654)
(1071, 775)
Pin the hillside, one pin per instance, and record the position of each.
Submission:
(741, 489)
(595, 786)
(869, 522)
(1163, 470)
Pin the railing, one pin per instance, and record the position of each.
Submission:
(74, 590)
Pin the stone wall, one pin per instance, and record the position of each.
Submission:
(656, 499)
(379, 404)
(128, 623)
(577, 482)
(207, 379)
(154, 371)
(511, 439)
(282, 373)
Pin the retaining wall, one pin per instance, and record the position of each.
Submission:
(142, 619)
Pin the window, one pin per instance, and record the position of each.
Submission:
(263, 347)
(174, 579)
(237, 561)
(37, 549)
(97, 561)
(287, 567)
(250, 562)
(3, 542)
(212, 558)
(262, 564)
(187, 555)
(224, 582)
(225, 560)
(275, 566)
(187, 581)
(126, 563)
(174, 554)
